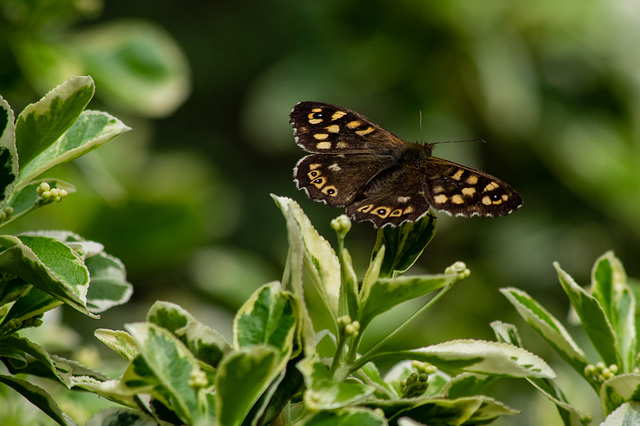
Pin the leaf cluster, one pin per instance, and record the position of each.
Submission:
(41, 270)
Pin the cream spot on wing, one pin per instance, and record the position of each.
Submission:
(457, 199)
(438, 189)
(323, 145)
(365, 131)
(468, 192)
(353, 124)
(338, 114)
(403, 199)
(314, 166)
(334, 128)
(440, 199)
(334, 167)
(342, 145)
(486, 200)
(408, 210)
(472, 179)
(490, 187)
(321, 136)
(458, 175)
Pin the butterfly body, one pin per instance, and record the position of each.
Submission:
(381, 178)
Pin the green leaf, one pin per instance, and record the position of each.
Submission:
(626, 414)
(119, 341)
(570, 415)
(592, 316)
(109, 286)
(40, 124)
(91, 130)
(609, 286)
(242, 377)
(45, 63)
(38, 397)
(48, 265)
(475, 410)
(324, 393)
(618, 390)
(385, 293)
(547, 327)
(23, 356)
(404, 244)
(172, 364)
(320, 259)
(205, 343)
(120, 416)
(346, 417)
(467, 384)
(477, 356)
(8, 152)
(137, 65)
(32, 304)
(268, 317)
(26, 199)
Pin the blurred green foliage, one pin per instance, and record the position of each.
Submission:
(551, 86)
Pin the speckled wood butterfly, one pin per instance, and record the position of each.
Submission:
(379, 177)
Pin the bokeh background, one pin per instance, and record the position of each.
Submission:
(183, 199)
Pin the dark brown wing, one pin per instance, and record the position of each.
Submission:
(337, 179)
(463, 191)
(330, 129)
(393, 196)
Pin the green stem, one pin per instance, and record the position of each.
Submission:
(371, 352)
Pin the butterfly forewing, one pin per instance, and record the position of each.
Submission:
(463, 191)
(329, 129)
(383, 179)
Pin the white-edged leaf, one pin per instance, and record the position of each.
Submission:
(547, 327)
(321, 261)
(626, 414)
(118, 340)
(91, 130)
(172, 365)
(243, 376)
(325, 393)
(40, 124)
(592, 316)
(482, 357)
(618, 390)
(609, 286)
(47, 264)
(8, 152)
(205, 343)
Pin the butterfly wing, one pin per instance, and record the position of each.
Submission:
(329, 129)
(337, 179)
(393, 196)
(463, 191)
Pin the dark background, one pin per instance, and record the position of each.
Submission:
(184, 200)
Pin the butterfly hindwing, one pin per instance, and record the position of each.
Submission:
(393, 196)
(329, 129)
(337, 179)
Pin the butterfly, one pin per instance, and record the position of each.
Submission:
(377, 176)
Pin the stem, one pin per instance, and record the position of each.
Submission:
(371, 352)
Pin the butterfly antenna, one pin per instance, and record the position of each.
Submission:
(421, 134)
(463, 140)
